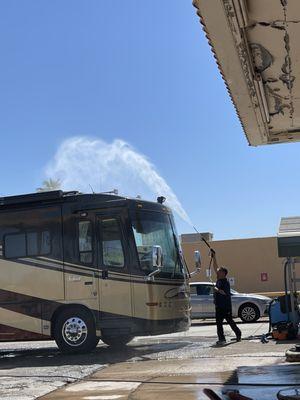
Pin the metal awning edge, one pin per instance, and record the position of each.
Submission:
(258, 133)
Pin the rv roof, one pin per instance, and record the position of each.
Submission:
(31, 197)
(255, 44)
(54, 195)
(79, 201)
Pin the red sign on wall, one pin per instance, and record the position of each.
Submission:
(264, 276)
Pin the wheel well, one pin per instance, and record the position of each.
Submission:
(65, 307)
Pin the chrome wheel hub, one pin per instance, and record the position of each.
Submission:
(74, 331)
(248, 314)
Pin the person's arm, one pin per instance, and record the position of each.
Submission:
(221, 291)
(214, 260)
(215, 266)
(225, 291)
(226, 288)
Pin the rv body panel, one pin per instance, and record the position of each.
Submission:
(26, 234)
(80, 251)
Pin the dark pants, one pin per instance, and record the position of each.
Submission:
(226, 314)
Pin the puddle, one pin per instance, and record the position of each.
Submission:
(288, 374)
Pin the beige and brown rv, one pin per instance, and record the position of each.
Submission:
(80, 267)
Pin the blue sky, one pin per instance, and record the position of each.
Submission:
(142, 72)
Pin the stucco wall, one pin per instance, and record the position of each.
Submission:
(245, 259)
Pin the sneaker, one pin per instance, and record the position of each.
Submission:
(239, 337)
(221, 342)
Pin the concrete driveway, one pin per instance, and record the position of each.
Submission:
(168, 366)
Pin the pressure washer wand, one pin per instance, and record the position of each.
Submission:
(211, 252)
(202, 238)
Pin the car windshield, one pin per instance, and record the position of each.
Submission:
(234, 291)
(155, 229)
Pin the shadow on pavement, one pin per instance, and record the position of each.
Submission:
(101, 355)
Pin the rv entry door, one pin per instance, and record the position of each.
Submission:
(114, 275)
(80, 262)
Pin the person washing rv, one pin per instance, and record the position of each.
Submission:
(223, 305)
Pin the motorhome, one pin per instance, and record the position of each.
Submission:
(83, 267)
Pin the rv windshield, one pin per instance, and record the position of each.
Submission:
(155, 229)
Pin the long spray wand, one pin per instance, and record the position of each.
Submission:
(211, 252)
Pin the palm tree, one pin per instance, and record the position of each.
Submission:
(49, 184)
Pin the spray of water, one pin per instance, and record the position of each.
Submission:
(81, 163)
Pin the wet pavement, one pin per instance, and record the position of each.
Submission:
(183, 380)
(162, 367)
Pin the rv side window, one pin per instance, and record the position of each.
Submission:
(27, 244)
(15, 245)
(85, 242)
(32, 244)
(112, 250)
(45, 243)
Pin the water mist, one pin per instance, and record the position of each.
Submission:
(81, 163)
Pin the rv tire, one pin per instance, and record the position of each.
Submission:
(74, 331)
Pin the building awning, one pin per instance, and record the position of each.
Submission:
(257, 48)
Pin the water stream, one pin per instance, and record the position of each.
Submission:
(83, 163)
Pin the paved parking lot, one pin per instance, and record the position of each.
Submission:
(30, 370)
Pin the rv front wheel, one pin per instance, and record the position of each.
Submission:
(74, 331)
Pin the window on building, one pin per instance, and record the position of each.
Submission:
(27, 244)
(85, 238)
(112, 250)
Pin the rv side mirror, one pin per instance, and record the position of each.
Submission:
(157, 257)
(197, 259)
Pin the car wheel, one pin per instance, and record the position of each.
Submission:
(249, 312)
(116, 341)
(74, 331)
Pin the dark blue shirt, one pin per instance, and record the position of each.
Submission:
(223, 300)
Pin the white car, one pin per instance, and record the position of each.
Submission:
(248, 307)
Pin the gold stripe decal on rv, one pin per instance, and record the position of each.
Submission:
(22, 321)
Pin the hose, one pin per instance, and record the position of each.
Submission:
(265, 335)
(269, 313)
(286, 289)
(209, 268)
(211, 250)
(157, 381)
